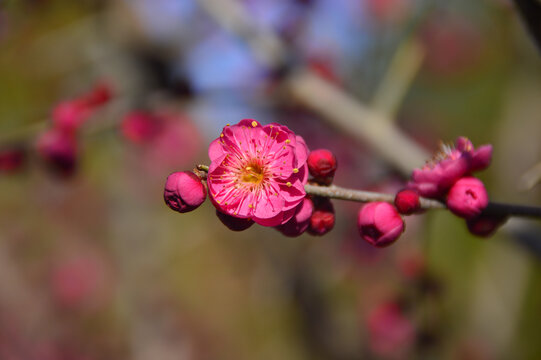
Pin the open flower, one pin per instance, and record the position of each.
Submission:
(449, 165)
(258, 172)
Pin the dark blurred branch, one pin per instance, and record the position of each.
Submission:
(340, 109)
(530, 12)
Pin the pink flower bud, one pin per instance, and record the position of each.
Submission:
(485, 225)
(140, 127)
(300, 221)
(322, 219)
(407, 202)
(322, 165)
(184, 191)
(69, 115)
(234, 223)
(467, 197)
(380, 224)
(59, 151)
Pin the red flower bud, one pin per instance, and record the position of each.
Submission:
(485, 225)
(59, 151)
(99, 95)
(467, 197)
(379, 223)
(322, 219)
(11, 159)
(322, 165)
(300, 221)
(184, 191)
(234, 223)
(407, 202)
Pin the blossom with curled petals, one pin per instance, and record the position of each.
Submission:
(258, 172)
(450, 164)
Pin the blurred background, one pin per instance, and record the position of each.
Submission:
(93, 265)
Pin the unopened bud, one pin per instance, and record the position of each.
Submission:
(407, 202)
(485, 225)
(184, 191)
(322, 165)
(380, 224)
(322, 219)
(300, 221)
(467, 197)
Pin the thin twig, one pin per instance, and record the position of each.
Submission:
(340, 193)
(337, 192)
(404, 65)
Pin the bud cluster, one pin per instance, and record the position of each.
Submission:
(263, 183)
(258, 173)
(58, 145)
(448, 178)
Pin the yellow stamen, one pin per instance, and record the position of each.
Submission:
(295, 170)
(254, 123)
(288, 185)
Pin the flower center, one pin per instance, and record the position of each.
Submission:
(253, 173)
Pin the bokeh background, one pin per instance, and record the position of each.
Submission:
(95, 266)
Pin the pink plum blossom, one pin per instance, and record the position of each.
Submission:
(258, 172)
(449, 165)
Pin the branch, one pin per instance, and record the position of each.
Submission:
(337, 192)
(404, 65)
(340, 193)
(530, 11)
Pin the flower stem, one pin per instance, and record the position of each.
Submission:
(337, 192)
